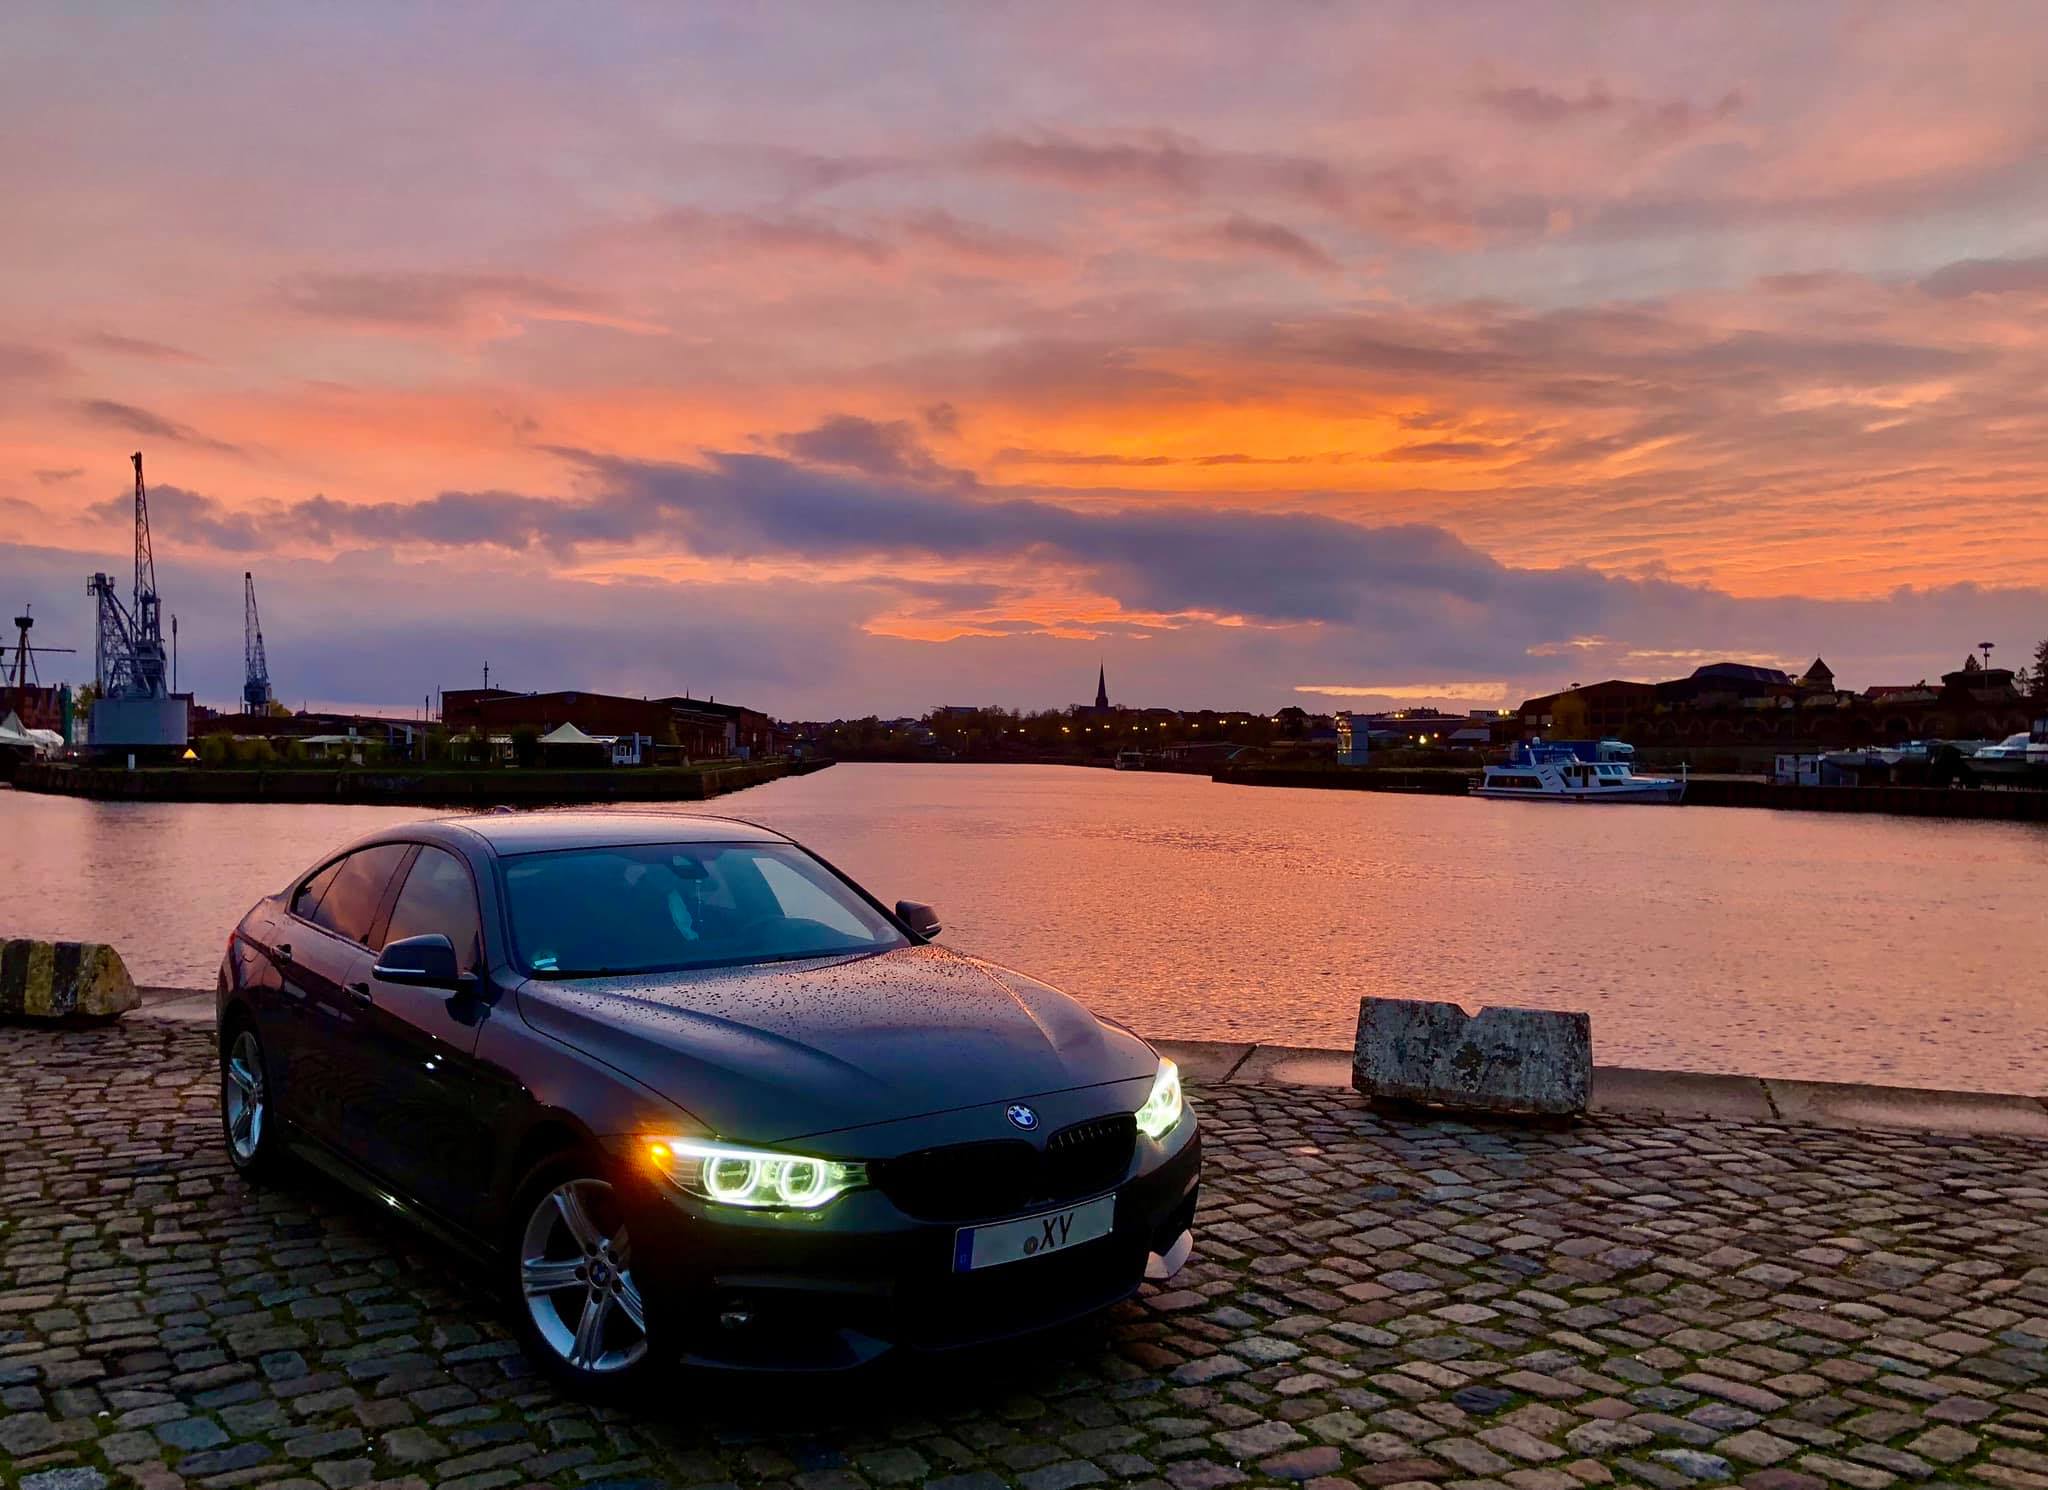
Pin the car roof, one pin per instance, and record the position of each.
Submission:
(535, 832)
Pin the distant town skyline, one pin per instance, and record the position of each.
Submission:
(860, 361)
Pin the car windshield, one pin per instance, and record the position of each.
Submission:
(645, 908)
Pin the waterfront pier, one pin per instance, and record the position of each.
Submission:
(397, 784)
(1992, 805)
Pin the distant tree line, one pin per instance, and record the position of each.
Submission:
(1082, 733)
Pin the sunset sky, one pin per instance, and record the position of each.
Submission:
(855, 358)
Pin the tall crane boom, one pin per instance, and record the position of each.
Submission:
(147, 621)
(132, 659)
(132, 665)
(255, 666)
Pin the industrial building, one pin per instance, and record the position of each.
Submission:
(698, 729)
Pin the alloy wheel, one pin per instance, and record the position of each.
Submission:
(575, 1272)
(242, 1096)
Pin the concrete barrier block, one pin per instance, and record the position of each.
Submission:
(1498, 1060)
(61, 980)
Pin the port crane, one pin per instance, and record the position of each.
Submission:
(27, 698)
(24, 654)
(256, 696)
(131, 665)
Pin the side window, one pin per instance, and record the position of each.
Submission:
(307, 898)
(351, 901)
(438, 896)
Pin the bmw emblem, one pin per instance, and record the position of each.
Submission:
(1021, 1116)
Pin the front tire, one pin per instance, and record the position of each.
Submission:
(247, 1118)
(578, 1308)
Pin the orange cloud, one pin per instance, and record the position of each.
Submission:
(1711, 318)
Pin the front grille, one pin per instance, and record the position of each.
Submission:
(1091, 1156)
(961, 1182)
(1006, 1177)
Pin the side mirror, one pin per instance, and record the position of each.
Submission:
(421, 962)
(919, 917)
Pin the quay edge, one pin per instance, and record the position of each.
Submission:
(533, 787)
(1991, 804)
(1671, 1094)
(1428, 781)
(1619, 1090)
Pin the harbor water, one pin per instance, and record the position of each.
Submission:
(1847, 948)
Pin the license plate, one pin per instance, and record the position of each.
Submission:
(1033, 1236)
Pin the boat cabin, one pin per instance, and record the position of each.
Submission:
(1557, 771)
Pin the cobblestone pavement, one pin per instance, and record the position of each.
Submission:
(1373, 1303)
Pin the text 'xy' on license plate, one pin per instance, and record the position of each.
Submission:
(1033, 1236)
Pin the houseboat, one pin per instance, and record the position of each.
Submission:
(1559, 773)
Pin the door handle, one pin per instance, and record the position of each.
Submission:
(361, 992)
(284, 951)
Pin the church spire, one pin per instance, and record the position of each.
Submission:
(1102, 688)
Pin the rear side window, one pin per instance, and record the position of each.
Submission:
(307, 900)
(438, 896)
(351, 901)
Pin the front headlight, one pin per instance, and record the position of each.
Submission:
(727, 1174)
(1162, 1109)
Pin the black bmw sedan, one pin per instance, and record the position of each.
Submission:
(696, 1096)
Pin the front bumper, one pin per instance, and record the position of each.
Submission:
(833, 1289)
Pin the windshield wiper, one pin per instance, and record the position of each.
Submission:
(557, 975)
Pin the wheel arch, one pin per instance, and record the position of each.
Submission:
(235, 1016)
(553, 1132)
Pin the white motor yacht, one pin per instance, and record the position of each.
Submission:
(2014, 757)
(1556, 773)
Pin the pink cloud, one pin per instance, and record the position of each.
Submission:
(136, 346)
(468, 302)
(1240, 233)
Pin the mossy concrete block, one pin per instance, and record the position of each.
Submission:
(1498, 1060)
(63, 980)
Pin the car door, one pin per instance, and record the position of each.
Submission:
(284, 1022)
(331, 956)
(421, 1128)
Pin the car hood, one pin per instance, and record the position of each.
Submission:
(765, 1054)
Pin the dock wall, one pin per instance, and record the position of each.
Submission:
(1439, 781)
(528, 787)
(1995, 804)
(1214, 1067)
